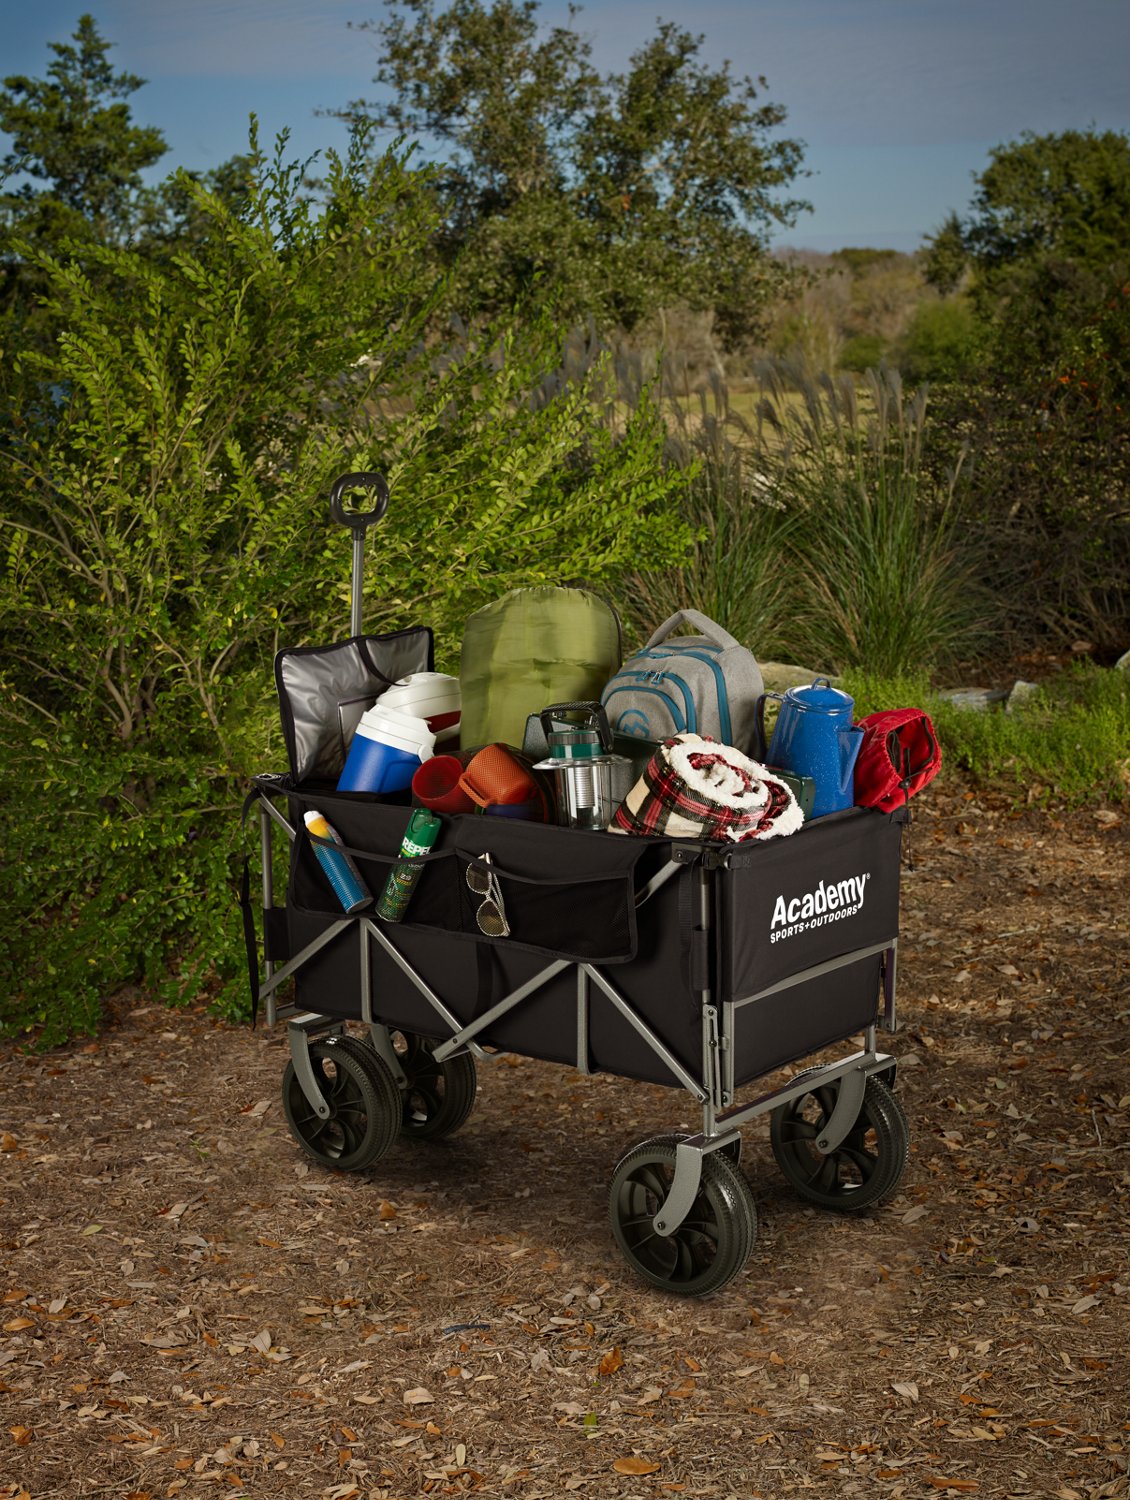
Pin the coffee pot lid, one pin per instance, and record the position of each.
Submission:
(821, 695)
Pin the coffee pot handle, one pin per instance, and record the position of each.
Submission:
(594, 713)
(761, 749)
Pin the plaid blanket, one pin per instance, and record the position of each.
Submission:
(695, 788)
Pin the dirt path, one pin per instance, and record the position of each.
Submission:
(189, 1308)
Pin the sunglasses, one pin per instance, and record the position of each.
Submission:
(491, 914)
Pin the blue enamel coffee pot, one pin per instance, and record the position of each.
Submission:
(814, 736)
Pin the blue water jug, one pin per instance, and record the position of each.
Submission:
(814, 736)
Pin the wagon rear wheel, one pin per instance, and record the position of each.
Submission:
(710, 1246)
(438, 1096)
(864, 1169)
(364, 1107)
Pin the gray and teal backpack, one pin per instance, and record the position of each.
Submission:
(704, 684)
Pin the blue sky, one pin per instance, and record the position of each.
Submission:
(898, 101)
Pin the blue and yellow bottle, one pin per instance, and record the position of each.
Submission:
(340, 870)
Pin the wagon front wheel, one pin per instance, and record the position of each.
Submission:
(864, 1169)
(710, 1246)
(363, 1108)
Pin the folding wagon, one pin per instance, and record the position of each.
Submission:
(700, 965)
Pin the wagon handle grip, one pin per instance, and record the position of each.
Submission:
(358, 522)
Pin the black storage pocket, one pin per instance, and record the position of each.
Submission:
(372, 832)
(566, 893)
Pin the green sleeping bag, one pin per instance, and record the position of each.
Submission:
(531, 648)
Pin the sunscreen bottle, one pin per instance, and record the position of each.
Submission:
(340, 870)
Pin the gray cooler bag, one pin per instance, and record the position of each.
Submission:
(704, 684)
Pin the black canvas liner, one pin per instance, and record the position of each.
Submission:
(570, 895)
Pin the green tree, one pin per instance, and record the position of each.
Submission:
(73, 132)
(947, 256)
(615, 195)
(1047, 240)
(1066, 196)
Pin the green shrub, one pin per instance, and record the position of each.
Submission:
(943, 341)
(1045, 425)
(863, 352)
(167, 528)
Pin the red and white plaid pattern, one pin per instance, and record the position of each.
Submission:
(695, 788)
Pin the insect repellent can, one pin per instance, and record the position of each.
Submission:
(419, 837)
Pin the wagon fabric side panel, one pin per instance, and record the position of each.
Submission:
(790, 905)
(568, 895)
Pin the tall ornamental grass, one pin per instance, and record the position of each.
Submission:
(821, 535)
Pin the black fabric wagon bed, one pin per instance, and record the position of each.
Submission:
(572, 895)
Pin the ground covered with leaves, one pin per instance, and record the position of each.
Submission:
(191, 1308)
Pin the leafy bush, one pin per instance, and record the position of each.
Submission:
(166, 530)
(942, 342)
(863, 352)
(1049, 451)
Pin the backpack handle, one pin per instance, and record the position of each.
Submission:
(701, 623)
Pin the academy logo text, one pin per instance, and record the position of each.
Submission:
(827, 903)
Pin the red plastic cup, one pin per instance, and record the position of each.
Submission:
(436, 785)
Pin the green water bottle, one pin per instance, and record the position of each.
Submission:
(421, 833)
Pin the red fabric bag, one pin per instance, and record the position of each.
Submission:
(899, 755)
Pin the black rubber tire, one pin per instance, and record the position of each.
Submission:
(713, 1242)
(364, 1117)
(864, 1169)
(439, 1096)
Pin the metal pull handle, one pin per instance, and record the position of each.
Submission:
(358, 522)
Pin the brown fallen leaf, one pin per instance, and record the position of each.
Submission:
(634, 1466)
(418, 1396)
(17, 1323)
(22, 1436)
(611, 1362)
(941, 1483)
(387, 1210)
(8, 1141)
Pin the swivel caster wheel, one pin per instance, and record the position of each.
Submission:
(363, 1118)
(711, 1245)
